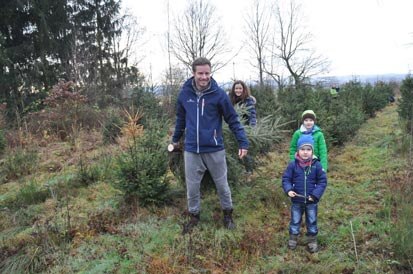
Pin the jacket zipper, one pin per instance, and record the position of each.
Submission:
(197, 116)
(305, 186)
(197, 124)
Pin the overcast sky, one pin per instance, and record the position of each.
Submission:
(359, 37)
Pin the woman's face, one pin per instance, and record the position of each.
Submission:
(238, 90)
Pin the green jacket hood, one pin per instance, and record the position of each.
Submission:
(315, 129)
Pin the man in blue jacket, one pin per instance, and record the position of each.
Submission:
(201, 107)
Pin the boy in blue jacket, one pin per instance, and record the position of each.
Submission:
(304, 181)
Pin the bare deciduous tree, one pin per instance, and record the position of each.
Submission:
(293, 45)
(125, 45)
(274, 68)
(173, 79)
(258, 24)
(197, 33)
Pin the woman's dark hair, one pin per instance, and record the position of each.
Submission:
(245, 92)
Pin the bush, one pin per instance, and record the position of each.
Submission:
(374, 98)
(402, 234)
(342, 122)
(339, 116)
(65, 113)
(385, 91)
(293, 102)
(3, 142)
(148, 103)
(30, 194)
(87, 174)
(18, 163)
(142, 169)
(111, 127)
(405, 107)
(266, 101)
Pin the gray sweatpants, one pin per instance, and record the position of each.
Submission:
(195, 167)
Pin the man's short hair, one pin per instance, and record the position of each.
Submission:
(200, 61)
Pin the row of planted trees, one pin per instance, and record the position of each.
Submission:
(401, 233)
(338, 115)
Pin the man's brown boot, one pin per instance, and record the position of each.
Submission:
(228, 222)
(193, 221)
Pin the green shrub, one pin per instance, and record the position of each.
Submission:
(266, 101)
(385, 91)
(86, 174)
(343, 120)
(111, 128)
(292, 103)
(338, 117)
(142, 169)
(3, 142)
(405, 107)
(30, 194)
(18, 163)
(32, 256)
(148, 103)
(374, 98)
(401, 232)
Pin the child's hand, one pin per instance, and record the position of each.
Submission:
(242, 153)
(291, 193)
(312, 198)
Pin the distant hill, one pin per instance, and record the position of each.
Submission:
(339, 80)
(373, 78)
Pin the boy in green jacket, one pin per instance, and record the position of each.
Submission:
(308, 127)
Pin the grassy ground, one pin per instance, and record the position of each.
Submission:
(88, 229)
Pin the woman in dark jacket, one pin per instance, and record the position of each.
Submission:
(240, 95)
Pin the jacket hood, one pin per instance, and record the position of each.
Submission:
(315, 129)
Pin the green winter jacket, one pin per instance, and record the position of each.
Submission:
(320, 147)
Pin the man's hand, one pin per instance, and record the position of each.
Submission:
(242, 153)
(292, 193)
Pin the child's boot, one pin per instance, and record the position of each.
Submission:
(292, 242)
(312, 243)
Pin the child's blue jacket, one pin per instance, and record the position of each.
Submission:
(200, 117)
(311, 180)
